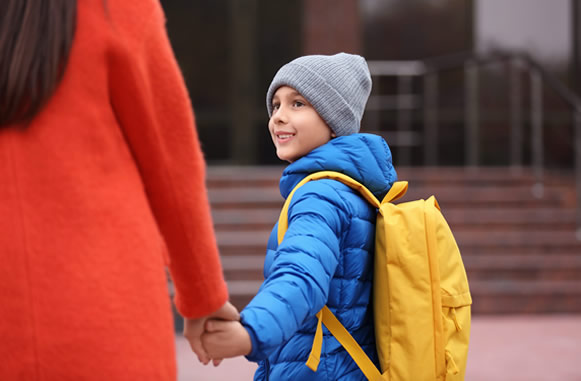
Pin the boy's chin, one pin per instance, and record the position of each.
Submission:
(285, 157)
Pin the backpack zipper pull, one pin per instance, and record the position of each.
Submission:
(450, 364)
(455, 318)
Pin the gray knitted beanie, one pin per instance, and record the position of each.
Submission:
(336, 86)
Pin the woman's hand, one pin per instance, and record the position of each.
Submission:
(194, 328)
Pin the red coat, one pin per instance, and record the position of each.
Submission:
(109, 167)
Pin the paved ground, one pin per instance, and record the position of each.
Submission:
(502, 348)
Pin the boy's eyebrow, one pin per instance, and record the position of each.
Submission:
(292, 92)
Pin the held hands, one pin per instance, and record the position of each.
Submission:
(224, 339)
(194, 328)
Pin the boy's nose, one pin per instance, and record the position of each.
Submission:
(280, 116)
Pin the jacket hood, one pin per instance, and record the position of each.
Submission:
(363, 157)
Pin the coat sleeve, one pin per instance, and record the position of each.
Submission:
(297, 285)
(153, 108)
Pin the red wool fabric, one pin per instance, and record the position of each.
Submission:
(104, 182)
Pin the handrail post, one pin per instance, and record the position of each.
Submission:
(577, 121)
(404, 90)
(431, 137)
(471, 146)
(537, 131)
(516, 130)
(373, 118)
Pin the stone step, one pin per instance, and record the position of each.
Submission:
(227, 176)
(490, 240)
(508, 196)
(521, 238)
(481, 175)
(468, 198)
(510, 284)
(243, 267)
(510, 296)
(481, 267)
(523, 267)
(458, 218)
(526, 296)
(510, 218)
(491, 267)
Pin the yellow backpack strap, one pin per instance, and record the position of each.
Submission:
(315, 355)
(398, 189)
(347, 341)
(365, 193)
(325, 316)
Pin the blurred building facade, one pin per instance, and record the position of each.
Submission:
(229, 51)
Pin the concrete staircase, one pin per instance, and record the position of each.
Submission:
(520, 251)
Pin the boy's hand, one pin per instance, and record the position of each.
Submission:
(194, 328)
(224, 339)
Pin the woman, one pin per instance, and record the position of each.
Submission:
(101, 174)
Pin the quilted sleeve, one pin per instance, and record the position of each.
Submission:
(298, 281)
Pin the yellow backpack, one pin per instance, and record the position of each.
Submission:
(421, 298)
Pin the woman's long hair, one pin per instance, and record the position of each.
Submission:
(35, 41)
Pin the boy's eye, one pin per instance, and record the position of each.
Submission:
(275, 106)
(298, 103)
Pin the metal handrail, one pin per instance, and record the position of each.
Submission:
(429, 69)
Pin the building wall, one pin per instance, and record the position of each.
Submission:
(539, 27)
(229, 50)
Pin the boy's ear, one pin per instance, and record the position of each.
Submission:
(333, 135)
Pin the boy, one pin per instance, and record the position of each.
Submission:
(315, 104)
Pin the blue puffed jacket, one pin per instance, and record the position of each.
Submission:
(326, 257)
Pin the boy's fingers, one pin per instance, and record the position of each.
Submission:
(216, 325)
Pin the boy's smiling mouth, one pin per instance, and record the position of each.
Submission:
(284, 136)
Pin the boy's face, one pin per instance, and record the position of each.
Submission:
(295, 127)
